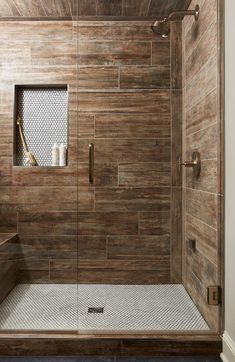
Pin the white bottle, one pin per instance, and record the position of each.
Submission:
(63, 155)
(55, 155)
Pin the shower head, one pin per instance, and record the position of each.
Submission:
(161, 27)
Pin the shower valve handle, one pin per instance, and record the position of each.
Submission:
(195, 163)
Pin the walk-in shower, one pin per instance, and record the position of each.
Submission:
(117, 250)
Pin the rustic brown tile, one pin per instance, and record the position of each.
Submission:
(91, 247)
(86, 125)
(97, 78)
(132, 199)
(63, 271)
(138, 247)
(203, 205)
(110, 8)
(63, 53)
(132, 125)
(114, 53)
(161, 53)
(206, 237)
(105, 174)
(154, 223)
(176, 136)
(176, 54)
(126, 150)
(203, 114)
(176, 235)
(124, 271)
(207, 181)
(204, 141)
(144, 174)
(205, 49)
(145, 77)
(108, 223)
(47, 223)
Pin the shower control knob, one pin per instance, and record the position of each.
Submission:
(195, 163)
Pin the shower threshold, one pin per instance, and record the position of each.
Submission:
(96, 308)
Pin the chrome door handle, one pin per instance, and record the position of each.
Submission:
(91, 163)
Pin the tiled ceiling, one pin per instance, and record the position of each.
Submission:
(84, 9)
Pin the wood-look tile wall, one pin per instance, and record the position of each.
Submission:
(201, 132)
(120, 229)
(39, 203)
(125, 110)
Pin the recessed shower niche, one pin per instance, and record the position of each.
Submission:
(40, 123)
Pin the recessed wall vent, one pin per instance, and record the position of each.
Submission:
(43, 115)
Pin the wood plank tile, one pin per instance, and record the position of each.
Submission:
(126, 150)
(202, 267)
(124, 271)
(199, 294)
(105, 174)
(195, 30)
(138, 247)
(8, 219)
(135, 8)
(91, 247)
(86, 125)
(44, 195)
(30, 8)
(125, 102)
(44, 176)
(49, 246)
(47, 223)
(114, 53)
(160, 53)
(54, 8)
(63, 271)
(208, 177)
(176, 54)
(203, 114)
(145, 174)
(206, 237)
(85, 8)
(119, 31)
(108, 223)
(203, 206)
(132, 126)
(37, 30)
(97, 78)
(205, 142)
(203, 52)
(205, 81)
(176, 235)
(154, 223)
(109, 8)
(8, 9)
(63, 53)
(14, 54)
(145, 77)
(176, 136)
(132, 199)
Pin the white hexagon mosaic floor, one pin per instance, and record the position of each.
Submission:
(125, 308)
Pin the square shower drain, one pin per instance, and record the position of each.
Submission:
(96, 310)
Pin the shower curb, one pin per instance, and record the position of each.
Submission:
(83, 345)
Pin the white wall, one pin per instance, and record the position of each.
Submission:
(229, 335)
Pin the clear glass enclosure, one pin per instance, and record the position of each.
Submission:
(122, 238)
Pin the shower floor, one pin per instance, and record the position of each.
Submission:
(125, 308)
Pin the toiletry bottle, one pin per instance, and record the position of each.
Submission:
(63, 154)
(55, 155)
